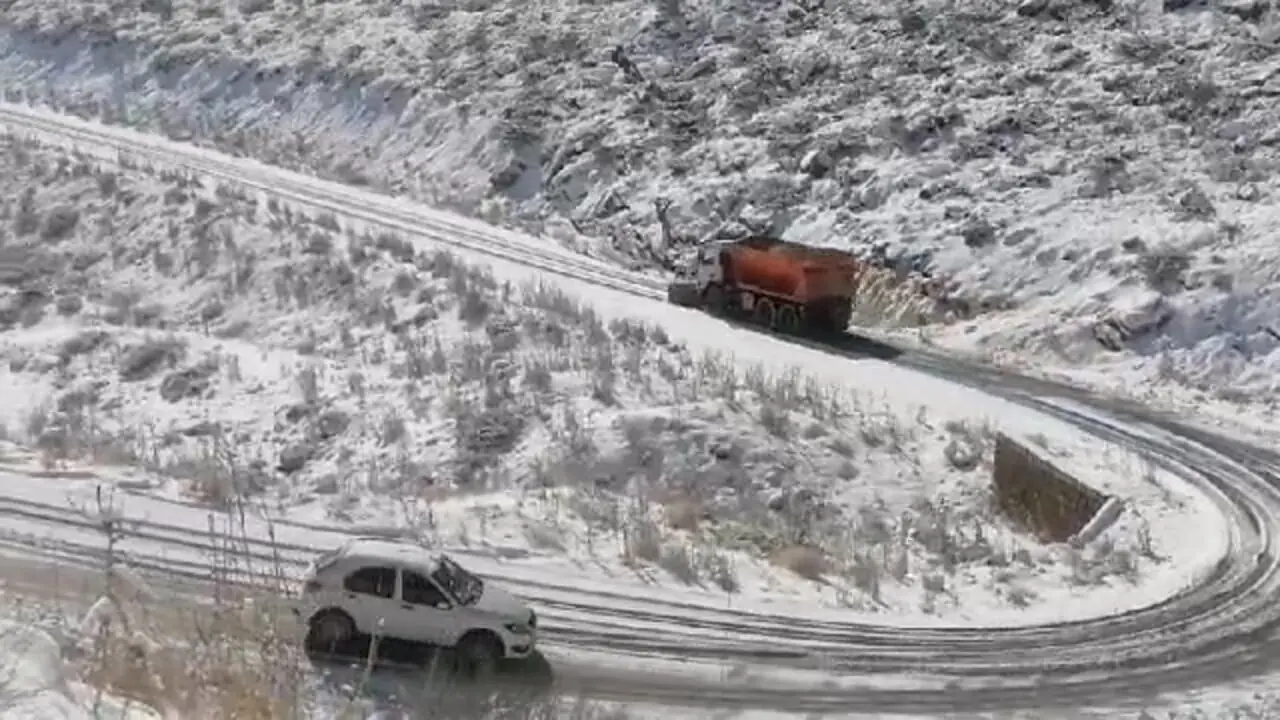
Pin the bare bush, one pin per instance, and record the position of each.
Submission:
(59, 222)
(808, 562)
(142, 360)
(643, 540)
(1164, 269)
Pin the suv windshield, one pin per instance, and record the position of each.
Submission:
(459, 583)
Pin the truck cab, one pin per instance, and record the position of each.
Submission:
(696, 271)
(703, 266)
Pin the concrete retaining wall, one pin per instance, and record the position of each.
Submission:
(1041, 497)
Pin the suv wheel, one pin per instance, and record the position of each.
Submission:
(479, 654)
(331, 631)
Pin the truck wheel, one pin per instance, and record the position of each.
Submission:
(713, 299)
(766, 314)
(478, 655)
(842, 317)
(788, 320)
(682, 295)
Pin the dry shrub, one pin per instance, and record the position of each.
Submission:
(806, 561)
(234, 658)
(642, 541)
(885, 300)
(239, 657)
(682, 514)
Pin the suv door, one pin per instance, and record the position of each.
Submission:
(369, 597)
(427, 613)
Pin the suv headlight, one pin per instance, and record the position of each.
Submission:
(516, 628)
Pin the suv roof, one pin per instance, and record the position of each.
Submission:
(369, 549)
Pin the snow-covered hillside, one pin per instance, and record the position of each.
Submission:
(34, 683)
(237, 348)
(1096, 174)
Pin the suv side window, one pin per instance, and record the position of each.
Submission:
(419, 590)
(375, 581)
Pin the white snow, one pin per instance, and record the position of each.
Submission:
(368, 367)
(1077, 179)
(34, 683)
(1110, 183)
(1252, 698)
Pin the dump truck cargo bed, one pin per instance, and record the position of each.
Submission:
(796, 272)
(781, 285)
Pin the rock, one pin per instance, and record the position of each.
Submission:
(792, 500)
(142, 361)
(938, 189)
(424, 315)
(1248, 193)
(1247, 10)
(777, 502)
(912, 22)
(506, 178)
(59, 223)
(185, 383)
(77, 399)
(319, 244)
(1140, 315)
(298, 411)
(978, 233)
(212, 311)
(1133, 245)
(205, 428)
(1018, 236)
(962, 454)
(816, 164)
(1195, 202)
(870, 196)
(331, 424)
(723, 450)
(82, 343)
(327, 485)
(295, 457)
(1032, 8)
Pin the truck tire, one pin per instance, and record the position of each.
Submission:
(766, 313)
(715, 300)
(788, 320)
(828, 319)
(682, 295)
(841, 317)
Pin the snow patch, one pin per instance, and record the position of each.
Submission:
(34, 685)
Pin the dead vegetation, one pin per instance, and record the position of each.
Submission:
(387, 370)
(229, 649)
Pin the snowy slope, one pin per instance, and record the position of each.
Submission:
(324, 395)
(1072, 169)
(35, 683)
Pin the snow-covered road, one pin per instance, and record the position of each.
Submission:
(1208, 630)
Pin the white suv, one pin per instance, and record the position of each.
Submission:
(395, 589)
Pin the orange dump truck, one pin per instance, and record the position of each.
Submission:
(782, 285)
